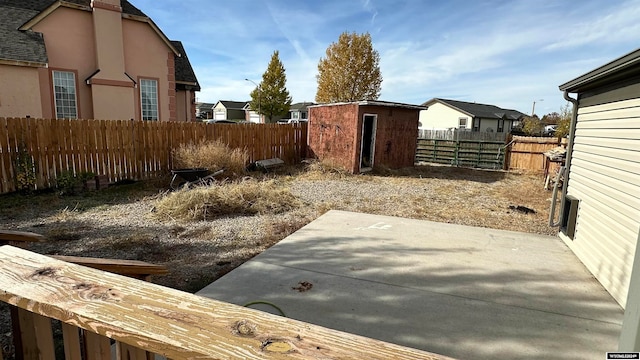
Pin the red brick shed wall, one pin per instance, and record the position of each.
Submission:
(335, 133)
(396, 135)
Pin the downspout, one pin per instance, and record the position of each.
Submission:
(565, 170)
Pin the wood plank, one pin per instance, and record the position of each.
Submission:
(27, 335)
(71, 340)
(20, 236)
(5, 162)
(133, 268)
(44, 337)
(98, 347)
(171, 322)
(128, 352)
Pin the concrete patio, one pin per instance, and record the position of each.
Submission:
(464, 292)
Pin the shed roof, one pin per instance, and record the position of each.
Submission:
(479, 110)
(300, 106)
(618, 69)
(374, 103)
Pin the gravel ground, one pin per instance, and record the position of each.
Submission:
(197, 253)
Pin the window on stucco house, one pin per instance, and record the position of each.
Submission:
(64, 92)
(149, 99)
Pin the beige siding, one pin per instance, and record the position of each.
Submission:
(442, 117)
(605, 177)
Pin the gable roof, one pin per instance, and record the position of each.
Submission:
(301, 106)
(184, 72)
(478, 110)
(233, 105)
(20, 45)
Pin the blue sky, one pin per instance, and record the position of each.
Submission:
(506, 53)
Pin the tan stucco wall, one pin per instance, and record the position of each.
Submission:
(184, 110)
(146, 56)
(22, 97)
(69, 40)
(441, 117)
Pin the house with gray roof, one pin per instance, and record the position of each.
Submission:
(445, 114)
(82, 59)
(299, 111)
(229, 110)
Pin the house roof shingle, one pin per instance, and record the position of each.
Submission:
(233, 105)
(28, 46)
(480, 110)
(18, 45)
(184, 71)
(301, 106)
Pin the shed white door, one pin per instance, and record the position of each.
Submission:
(254, 117)
(219, 115)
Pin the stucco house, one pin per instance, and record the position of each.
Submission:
(229, 110)
(445, 114)
(600, 208)
(91, 59)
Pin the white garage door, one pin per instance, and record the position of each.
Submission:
(254, 118)
(219, 115)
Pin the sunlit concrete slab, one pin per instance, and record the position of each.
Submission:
(464, 292)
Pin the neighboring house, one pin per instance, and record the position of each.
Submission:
(359, 136)
(299, 111)
(229, 110)
(444, 114)
(204, 110)
(600, 213)
(90, 59)
(252, 116)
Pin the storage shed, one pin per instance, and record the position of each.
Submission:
(600, 209)
(361, 135)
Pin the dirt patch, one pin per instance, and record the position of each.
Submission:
(123, 223)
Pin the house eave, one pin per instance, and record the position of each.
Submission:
(24, 63)
(436, 100)
(617, 69)
(46, 12)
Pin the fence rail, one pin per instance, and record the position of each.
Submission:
(96, 308)
(464, 153)
(457, 134)
(127, 149)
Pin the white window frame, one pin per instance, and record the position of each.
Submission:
(65, 106)
(462, 123)
(500, 126)
(150, 111)
(295, 115)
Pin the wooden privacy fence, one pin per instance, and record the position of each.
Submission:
(464, 153)
(143, 319)
(527, 153)
(127, 149)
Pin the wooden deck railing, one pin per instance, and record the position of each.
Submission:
(96, 308)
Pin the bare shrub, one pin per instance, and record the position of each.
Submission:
(245, 197)
(213, 155)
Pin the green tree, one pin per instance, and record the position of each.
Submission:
(532, 126)
(350, 71)
(564, 122)
(271, 97)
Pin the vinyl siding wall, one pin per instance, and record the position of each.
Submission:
(442, 117)
(605, 177)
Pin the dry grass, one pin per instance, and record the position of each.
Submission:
(246, 197)
(213, 155)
